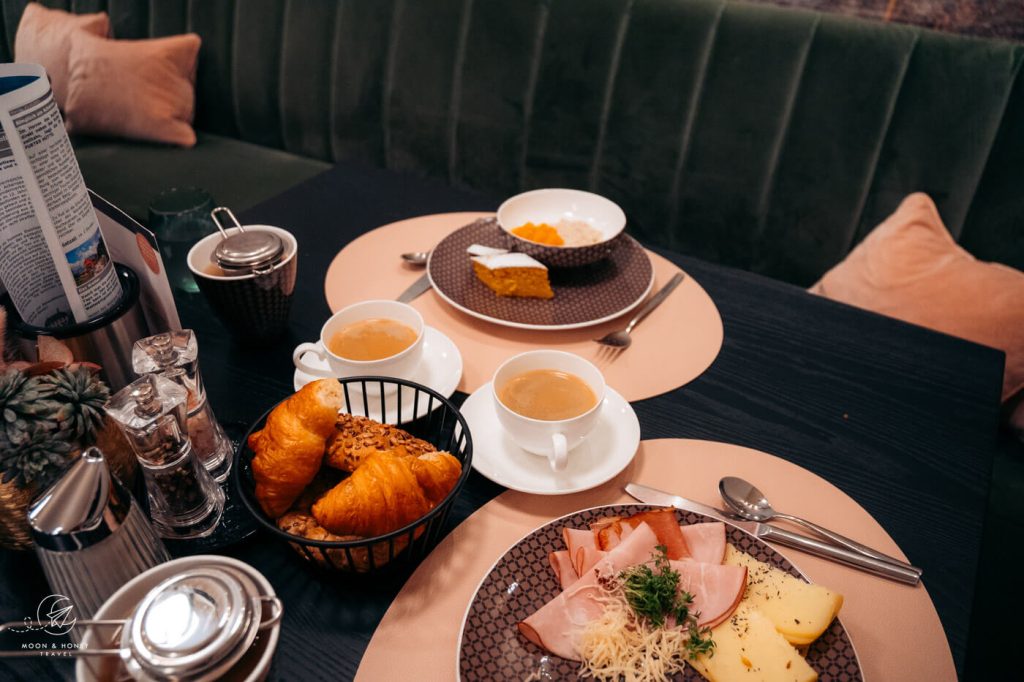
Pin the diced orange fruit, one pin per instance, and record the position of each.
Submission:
(541, 233)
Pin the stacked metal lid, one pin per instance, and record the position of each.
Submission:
(195, 626)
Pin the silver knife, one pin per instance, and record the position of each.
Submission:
(415, 289)
(911, 575)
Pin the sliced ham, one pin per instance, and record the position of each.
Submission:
(556, 626)
(561, 562)
(706, 541)
(716, 588)
(581, 544)
(609, 532)
(577, 539)
(586, 558)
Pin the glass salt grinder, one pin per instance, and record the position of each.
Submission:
(185, 501)
(175, 355)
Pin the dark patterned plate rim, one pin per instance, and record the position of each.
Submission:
(778, 560)
(632, 305)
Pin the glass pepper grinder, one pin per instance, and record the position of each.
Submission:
(184, 500)
(175, 355)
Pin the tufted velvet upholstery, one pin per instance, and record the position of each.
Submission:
(765, 138)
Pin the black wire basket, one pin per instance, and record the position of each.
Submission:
(423, 413)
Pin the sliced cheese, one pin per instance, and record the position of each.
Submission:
(748, 647)
(801, 611)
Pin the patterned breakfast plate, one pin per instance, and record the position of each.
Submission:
(584, 296)
(521, 581)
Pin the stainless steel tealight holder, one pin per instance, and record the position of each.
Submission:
(91, 535)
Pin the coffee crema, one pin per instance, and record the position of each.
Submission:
(547, 394)
(373, 339)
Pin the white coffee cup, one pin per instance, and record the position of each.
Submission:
(399, 365)
(556, 438)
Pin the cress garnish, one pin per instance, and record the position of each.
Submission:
(654, 595)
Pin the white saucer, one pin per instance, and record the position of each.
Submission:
(440, 369)
(609, 448)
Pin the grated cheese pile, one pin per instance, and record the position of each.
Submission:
(620, 646)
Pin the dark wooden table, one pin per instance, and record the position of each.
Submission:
(895, 415)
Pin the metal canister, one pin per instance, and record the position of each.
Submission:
(91, 536)
(104, 339)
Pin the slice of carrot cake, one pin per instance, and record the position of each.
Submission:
(513, 274)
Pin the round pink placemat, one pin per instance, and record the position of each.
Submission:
(894, 627)
(670, 348)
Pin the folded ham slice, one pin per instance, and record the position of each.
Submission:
(706, 541)
(716, 588)
(578, 538)
(578, 542)
(587, 558)
(557, 625)
(562, 564)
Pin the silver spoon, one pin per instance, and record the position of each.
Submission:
(750, 503)
(416, 257)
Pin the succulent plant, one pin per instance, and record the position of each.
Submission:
(44, 417)
(25, 402)
(80, 396)
(36, 461)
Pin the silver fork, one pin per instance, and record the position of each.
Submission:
(621, 338)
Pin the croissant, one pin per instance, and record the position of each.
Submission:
(357, 437)
(289, 448)
(387, 491)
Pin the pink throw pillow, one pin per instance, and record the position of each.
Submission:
(910, 268)
(137, 89)
(43, 37)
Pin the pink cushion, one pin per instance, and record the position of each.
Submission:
(910, 268)
(44, 37)
(138, 89)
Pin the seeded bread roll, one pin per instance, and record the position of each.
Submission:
(358, 437)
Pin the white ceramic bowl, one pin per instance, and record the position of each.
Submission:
(252, 667)
(553, 205)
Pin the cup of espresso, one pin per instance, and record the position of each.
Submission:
(371, 338)
(548, 401)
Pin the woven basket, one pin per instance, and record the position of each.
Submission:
(14, 503)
